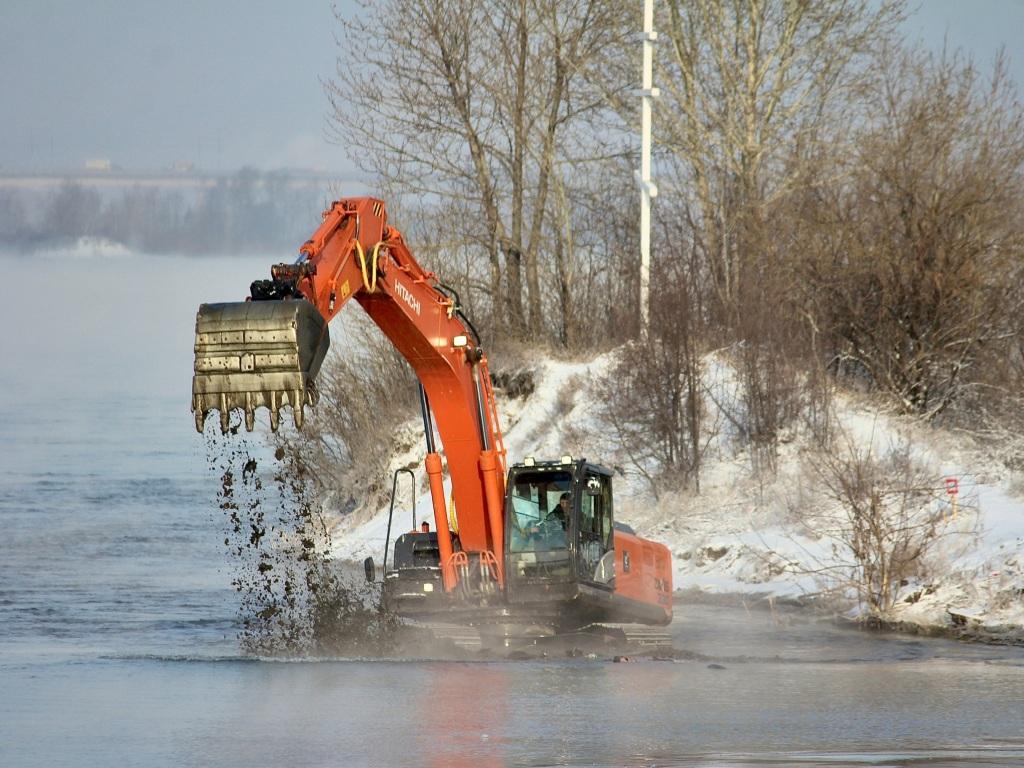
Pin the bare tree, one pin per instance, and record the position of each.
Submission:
(596, 267)
(744, 84)
(914, 257)
(470, 100)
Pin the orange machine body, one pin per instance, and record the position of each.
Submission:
(643, 574)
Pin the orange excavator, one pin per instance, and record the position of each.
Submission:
(533, 549)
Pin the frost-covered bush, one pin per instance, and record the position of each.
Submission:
(881, 513)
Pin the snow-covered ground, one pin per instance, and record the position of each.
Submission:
(740, 533)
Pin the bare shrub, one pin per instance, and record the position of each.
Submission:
(991, 407)
(768, 367)
(348, 438)
(652, 400)
(994, 415)
(883, 516)
(818, 412)
(914, 255)
(771, 350)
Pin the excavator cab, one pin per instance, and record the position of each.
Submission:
(412, 583)
(593, 569)
(553, 551)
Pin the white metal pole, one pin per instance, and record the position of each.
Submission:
(648, 189)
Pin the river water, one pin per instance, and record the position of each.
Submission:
(117, 619)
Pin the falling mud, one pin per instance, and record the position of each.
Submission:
(293, 600)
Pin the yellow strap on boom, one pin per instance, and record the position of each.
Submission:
(369, 274)
(453, 521)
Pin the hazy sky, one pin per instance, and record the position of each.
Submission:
(220, 83)
(226, 83)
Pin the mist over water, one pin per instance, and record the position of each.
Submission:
(119, 622)
(110, 537)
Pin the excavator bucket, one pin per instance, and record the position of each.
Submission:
(257, 353)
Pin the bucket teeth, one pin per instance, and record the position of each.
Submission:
(248, 402)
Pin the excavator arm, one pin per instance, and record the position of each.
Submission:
(267, 352)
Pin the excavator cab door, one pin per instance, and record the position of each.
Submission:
(595, 546)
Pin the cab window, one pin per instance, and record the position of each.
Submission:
(536, 523)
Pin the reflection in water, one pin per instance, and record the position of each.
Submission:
(396, 714)
(463, 715)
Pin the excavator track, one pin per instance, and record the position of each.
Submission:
(636, 636)
(599, 638)
(462, 637)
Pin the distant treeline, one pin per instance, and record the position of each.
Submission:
(247, 211)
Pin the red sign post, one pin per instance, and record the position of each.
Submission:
(952, 488)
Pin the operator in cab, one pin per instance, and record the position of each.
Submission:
(560, 514)
(549, 531)
(553, 529)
